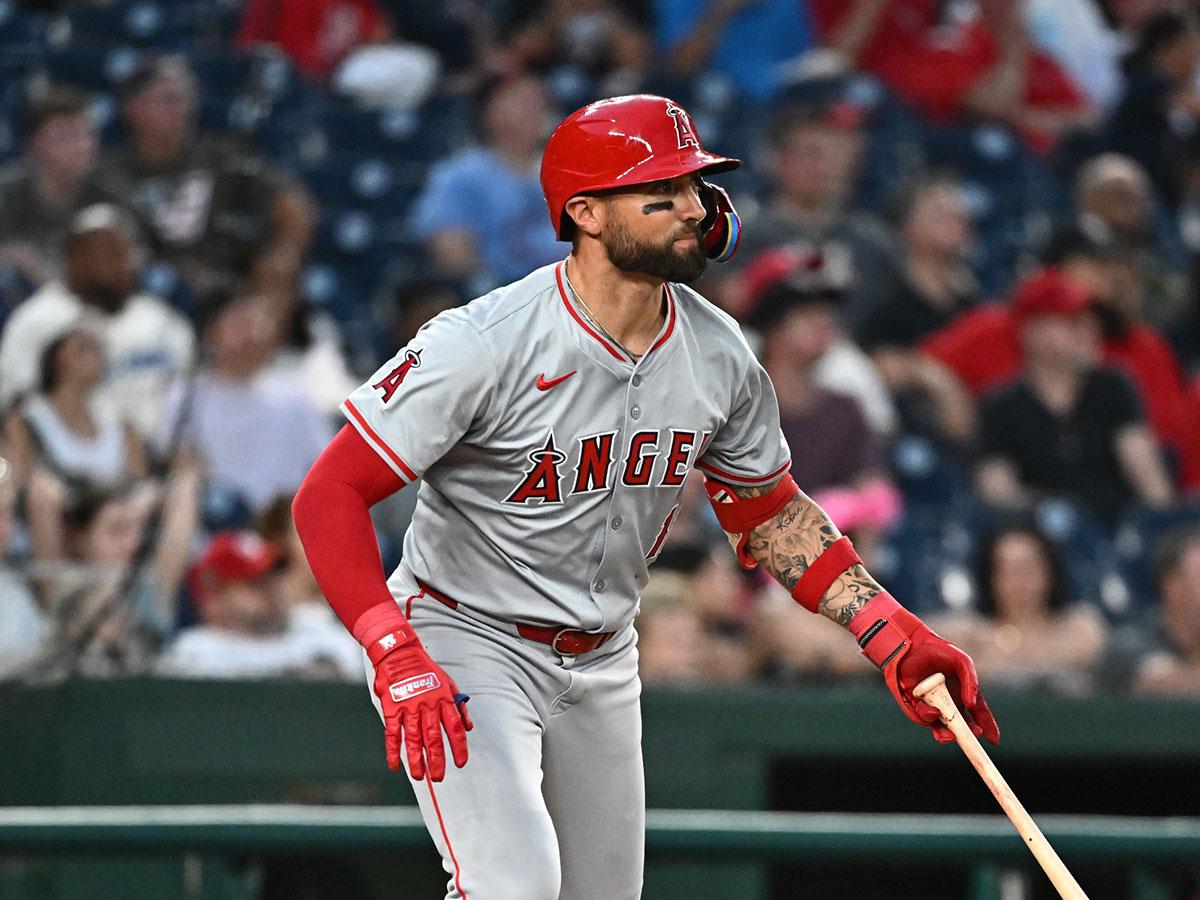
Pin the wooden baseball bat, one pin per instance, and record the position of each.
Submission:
(933, 690)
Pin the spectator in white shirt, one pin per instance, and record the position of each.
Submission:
(251, 433)
(146, 342)
(246, 630)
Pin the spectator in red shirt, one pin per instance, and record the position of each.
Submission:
(983, 67)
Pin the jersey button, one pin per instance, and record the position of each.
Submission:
(616, 523)
(637, 380)
(598, 586)
(635, 413)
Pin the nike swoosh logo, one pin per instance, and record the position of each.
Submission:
(544, 385)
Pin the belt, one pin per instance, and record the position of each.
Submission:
(562, 639)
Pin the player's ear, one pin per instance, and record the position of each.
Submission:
(587, 212)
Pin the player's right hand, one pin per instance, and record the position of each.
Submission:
(418, 699)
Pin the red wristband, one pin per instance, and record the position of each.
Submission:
(381, 629)
(824, 571)
(882, 628)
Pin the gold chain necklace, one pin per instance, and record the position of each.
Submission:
(595, 320)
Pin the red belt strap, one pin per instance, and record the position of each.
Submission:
(564, 640)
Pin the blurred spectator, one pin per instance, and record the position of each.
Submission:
(1160, 104)
(954, 66)
(1142, 353)
(113, 592)
(982, 347)
(461, 32)
(22, 623)
(250, 433)
(1163, 655)
(40, 193)
(307, 607)
(316, 35)
(347, 44)
(1066, 426)
(843, 367)
(64, 428)
(595, 39)
(695, 618)
(210, 208)
(748, 42)
(936, 285)
(246, 630)
(1023, 630)
(416, 302)
(1115, 204)
(814, 159)
(146, 342)
(1087, 39)
(481, 216)
(310, 356)
(836, 458)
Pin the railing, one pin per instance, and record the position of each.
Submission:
(981, 844)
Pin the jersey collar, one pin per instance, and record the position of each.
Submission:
(618, 353)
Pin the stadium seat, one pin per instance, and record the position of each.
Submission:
(142, 23)
(93, 67)
(928, 476)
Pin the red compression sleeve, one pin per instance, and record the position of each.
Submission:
(333, 519)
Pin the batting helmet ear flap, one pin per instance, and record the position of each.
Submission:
(722, 227)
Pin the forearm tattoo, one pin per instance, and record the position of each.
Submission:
(787, 545)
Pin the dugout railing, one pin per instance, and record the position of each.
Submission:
(986, 846)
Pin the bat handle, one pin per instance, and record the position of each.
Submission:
(933, 691)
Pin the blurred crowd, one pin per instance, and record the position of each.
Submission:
(970, 265)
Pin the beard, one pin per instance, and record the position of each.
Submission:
(665, 260)
(108, 297)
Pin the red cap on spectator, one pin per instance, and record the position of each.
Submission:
(1050, 292)
(231, 556)
(808, 268)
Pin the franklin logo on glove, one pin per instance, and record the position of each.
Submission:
(410, 687)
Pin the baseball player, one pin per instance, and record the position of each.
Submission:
(553, 423)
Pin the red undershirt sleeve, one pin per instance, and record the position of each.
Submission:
(333, 519)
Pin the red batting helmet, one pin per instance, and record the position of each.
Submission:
(619, 142)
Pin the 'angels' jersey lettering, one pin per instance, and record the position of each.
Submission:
(544, 497)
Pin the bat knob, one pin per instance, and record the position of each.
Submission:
(934, 681)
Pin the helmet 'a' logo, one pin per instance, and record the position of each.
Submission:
(390, 383)
(683, 127)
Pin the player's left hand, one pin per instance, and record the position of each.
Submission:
(721, 229)
(908, 652)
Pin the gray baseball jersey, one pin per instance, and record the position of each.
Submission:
(552, 466)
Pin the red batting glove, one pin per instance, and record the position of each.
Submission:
(907, 652)
(418, 698)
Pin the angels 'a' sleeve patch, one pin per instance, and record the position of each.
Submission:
(419, 403)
